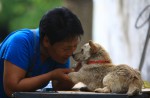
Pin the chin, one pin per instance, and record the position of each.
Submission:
(62, 61)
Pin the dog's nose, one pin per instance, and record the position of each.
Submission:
(73, 55)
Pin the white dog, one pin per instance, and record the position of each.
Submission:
(100, 75)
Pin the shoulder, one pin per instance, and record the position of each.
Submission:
(23, 34)
(23, 37)
(18, 48)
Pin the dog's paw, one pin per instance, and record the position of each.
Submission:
(132, 92)
(102, 90)
(98, 90)
(84, 89)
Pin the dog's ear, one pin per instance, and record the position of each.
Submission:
(94, 47)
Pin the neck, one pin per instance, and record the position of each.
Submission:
(98, 61)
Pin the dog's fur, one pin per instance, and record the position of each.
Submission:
(103, 76)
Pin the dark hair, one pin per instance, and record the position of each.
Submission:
(60, 24)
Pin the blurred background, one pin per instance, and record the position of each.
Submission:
(111, 23)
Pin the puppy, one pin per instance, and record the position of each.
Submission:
(99, 74)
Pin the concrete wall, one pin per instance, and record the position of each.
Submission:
(84, 10)
(114, 28)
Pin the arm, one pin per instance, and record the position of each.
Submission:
(62, 85)
(15, 81)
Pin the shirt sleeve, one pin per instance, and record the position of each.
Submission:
(18, 50)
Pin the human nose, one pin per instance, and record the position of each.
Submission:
(70, 53)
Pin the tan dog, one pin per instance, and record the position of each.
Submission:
(100, 75)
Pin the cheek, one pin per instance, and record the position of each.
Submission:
(62, 54)
(59, 53)
(55, 52)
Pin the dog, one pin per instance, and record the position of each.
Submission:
(99, 74)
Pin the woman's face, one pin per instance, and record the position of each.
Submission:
(61, 51)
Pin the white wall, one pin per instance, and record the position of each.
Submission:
(114, 28)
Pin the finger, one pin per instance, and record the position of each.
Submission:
(66, 71)
(66, 77)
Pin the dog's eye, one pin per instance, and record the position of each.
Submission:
(81, 50)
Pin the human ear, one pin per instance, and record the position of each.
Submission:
(45, 42)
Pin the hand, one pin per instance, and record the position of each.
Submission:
(60, 74)
(60, 79)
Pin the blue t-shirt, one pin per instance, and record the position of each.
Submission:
(22, 48)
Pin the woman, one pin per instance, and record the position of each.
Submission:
(30, 58)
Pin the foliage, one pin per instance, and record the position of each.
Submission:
(18, 14)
